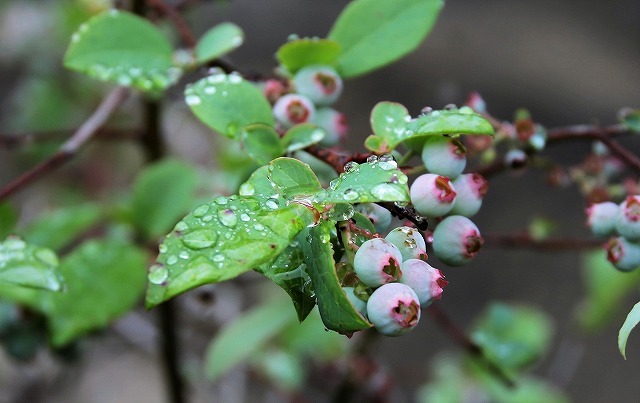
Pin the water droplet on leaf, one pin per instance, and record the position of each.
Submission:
(200, 238)
(228, 218)
(158, 274)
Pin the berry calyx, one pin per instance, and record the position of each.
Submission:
(394, 309)
(321, 84)
(623, 254)
(432, 195)
(293, 109)
(628, 219)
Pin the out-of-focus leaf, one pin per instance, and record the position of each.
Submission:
(8, 219)
(26, 265)
(299, 53)
(59, 227)
(301, 136)
(261, 142)
(630, 118)
(632, 320)
(218, 41)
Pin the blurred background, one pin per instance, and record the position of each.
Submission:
(566, 62)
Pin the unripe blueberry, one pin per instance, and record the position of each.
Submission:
(470, 190)
(628, 219)
(377, 262)
(624, 255)
(409, 241)
(515, 158)
(379, 216)
(432, 195)
(394, 309)
(601, 218)
(321, 84)
(360, 305)
(426, 281)
(334, 124)
(293, 109)
(444, 156)
(273, 90)
(456, 240)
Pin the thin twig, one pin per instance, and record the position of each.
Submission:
(72, 145)
(461, 338)
(525, 241)
(186, 36)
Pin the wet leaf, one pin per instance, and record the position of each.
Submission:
(123, 48)
(227, 103)
(301, 136)
(29, 266)
(261, 142)
(337, 312)
(218, 41)
(299, 53)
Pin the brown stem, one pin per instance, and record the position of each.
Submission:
(14, 140)
(525, 241)
(186, 36)
(460, 337)
(84, 133)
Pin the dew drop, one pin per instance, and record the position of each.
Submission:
(450, 107)
(426, 110)
(247, 189)
(217, 258)
(158, 274)
(75, 37)
(162, 248)
(237, 41)
(46, 256)
(387, 163)
(135, 72)
(272, 204)
(258, 227)
(387, 192)
(350, 194)
(235, 78)
(222, 200)
(209, 90)
(317, 135)
(14, 244)
(200, 238)
(124, 80)
(193, 100)
(228, 218)
(173, 259)
(181, 226)
(351, 166)
(207, 218)
(372, 159)
(245, 217)
(216, 78)
(200, 210)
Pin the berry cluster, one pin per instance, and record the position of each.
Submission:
(315, 88)
(445, 190)
(394, 281)
(607, 219)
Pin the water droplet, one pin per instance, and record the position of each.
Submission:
(402, 178)
(216, 78)
(245, 217)
(258, 227)
(183, 254)
(350, 194)
(173, 259)
(193, 100)
(75, 37)
(135, 72)
(426, 110)
(235, 78)
(200, 238)
(209, 90)
(247, 189)
(158, 274)
(237, 41)
(351, 166)
(207, 218)
(272, 204)
(317, 135)
(162, 248)
(450, 107)
(200, 210)
(387, 162)
(372, 159)
(293, 37)
(217, 257)
(83, 27)
(387, 192)
(221, 200)
(13, 244)
(228, 218)
(181, 226)
(46, 256)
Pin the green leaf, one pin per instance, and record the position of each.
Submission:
(27, 265)
(121, 47)
(289, 272)
(261, 142)
(374, 33)
(632, 320)
(513, 336)
(630, 118)
(104, 280)
(162, 193)
(336, 310)
(221, 240)
(602, 304)
(246, 335)
(380, 180)
(60, 227)
(292, 177)
(299, 53)
(301, 136)
(387, 119)
(218, 41)
(227, 103)
(8, 219)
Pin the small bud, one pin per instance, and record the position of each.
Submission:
(409, 241)
(293, 109)
(623, 254)
(377, 262)
(628, 219)
(470, 190)
(321, 84)
(432, 195)
(601, 218)
(444, 156)
(394, 309)
(456, 240)
(427, 282)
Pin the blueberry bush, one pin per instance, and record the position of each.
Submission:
(349, 237)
